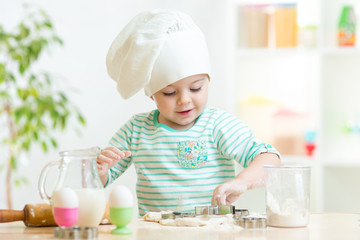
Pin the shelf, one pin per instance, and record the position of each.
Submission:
(342, 51)
(331, 51)
(275, 51)
(340, 163)
(315, 161)
(299, 160)
(261, 2)
(320, 80)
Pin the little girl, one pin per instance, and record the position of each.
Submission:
(183, 151)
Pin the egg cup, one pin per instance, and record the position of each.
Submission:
(66, 217)
(120, 217)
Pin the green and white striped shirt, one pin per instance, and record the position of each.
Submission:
(178, 170)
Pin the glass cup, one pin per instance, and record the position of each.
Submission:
(287, 195)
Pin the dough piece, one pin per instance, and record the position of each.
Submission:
(183, 222)
(167, 222)
(226, 220)
(221, 222)
(152, 216)
(189, 222)
(198, 222)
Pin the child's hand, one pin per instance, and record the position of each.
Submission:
(108, 157)
(227, 193)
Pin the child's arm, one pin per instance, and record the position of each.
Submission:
(249, 178)
(107, 158)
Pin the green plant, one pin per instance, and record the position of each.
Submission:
(32, 109)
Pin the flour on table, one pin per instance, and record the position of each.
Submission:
(183, 222)
(168, 222)
(222, 222)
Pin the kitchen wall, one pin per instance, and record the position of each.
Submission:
(87, 28)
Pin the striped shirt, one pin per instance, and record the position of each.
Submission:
(178, 170)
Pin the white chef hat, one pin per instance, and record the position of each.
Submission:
(155, 49)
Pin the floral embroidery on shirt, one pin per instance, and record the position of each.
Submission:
(192, 153)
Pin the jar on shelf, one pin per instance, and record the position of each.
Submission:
(255, 24)
(285, 25)
(347, 27)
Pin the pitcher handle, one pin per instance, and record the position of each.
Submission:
(42, 179)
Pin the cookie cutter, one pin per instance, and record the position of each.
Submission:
(76, 233)
(207, 211)
(174, 215)
(226, 209)
(167, 216)
(251, 222)
(240, 213)
(183, 214)
(214, 210)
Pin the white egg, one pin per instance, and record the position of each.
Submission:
(120, 196)
(65, 198)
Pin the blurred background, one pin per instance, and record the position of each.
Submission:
(288, 69)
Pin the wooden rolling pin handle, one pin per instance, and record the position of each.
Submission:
(8, 215)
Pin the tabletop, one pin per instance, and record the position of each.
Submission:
(321, 226)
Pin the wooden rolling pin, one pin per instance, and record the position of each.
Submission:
(37, 215)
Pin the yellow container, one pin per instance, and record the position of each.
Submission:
(285, 25)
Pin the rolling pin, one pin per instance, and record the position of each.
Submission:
(37, 215)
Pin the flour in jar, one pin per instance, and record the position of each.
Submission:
(291, 213)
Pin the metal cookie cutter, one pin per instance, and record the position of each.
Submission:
(169, 215)
(183, 214)
(240, 213)
(206, 210)
(174, 215)
(226, 209)
(251, 222)
(214, 210)
(76, 233)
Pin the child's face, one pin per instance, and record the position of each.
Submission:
(182, 102)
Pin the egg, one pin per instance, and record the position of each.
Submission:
(65, 198)
(120, 196)
(65, 207)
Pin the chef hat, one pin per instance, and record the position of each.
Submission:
(155, 49)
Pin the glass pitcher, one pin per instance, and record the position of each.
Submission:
(78, 171)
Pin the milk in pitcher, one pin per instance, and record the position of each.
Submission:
(92, 204)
